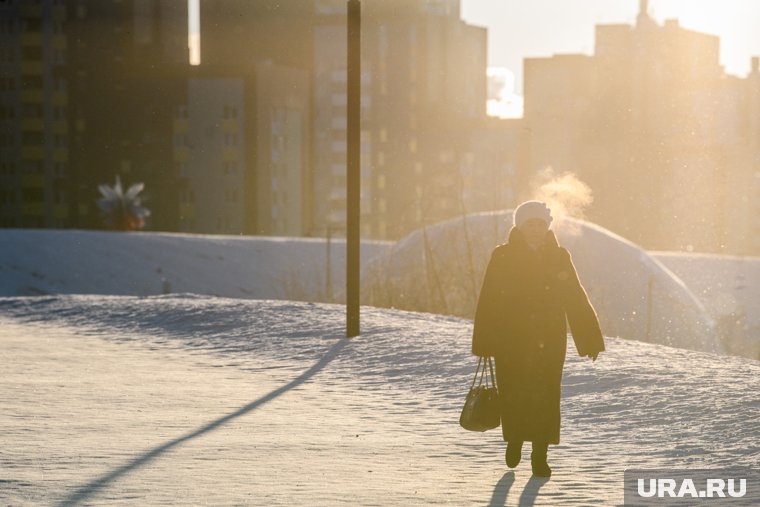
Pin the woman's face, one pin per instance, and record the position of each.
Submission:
(534, 230)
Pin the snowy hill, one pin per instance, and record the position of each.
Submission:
(728, 286)
(691, 301)
(188, 399)
(38, 262)
(439, 270)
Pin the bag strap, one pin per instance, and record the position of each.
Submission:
(477, 370)
(490, 367)
(483, 372)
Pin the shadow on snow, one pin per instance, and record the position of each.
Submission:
(528, 496)
(88, 490)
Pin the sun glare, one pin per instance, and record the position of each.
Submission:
(194, 31)
(194, 42)
(732, 20)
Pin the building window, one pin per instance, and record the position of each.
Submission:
(32, 194)
(7, 113)
(32, 81)
(7, 83)
(33, 138)
(229, 112)
(32, 24)
(6, 139)
(7, 54)
(339, 99)
(187, 196)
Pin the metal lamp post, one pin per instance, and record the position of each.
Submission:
(353, 168)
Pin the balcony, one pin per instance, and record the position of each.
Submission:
(34, 209)
(32, 125)
(33, 180)
(31, 39)
(61, 155)
(31, 68)
(32, 96)
(32, 153)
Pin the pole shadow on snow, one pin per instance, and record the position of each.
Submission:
(88, 490)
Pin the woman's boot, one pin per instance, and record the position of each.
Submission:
(514, 453)
(538, 460)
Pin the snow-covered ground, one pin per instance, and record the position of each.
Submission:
(702, 302)
(729, 287)
(190, 400)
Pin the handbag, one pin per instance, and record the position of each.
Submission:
(481, 409)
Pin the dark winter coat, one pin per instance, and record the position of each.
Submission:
(521, 321)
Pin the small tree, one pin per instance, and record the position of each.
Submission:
(122, 210)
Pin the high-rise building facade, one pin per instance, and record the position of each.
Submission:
(423, 89)
(34, 127)
(750, 128)
(243, 148)
(423, 92)
(653, 124)
(252, 140)
(88, 93)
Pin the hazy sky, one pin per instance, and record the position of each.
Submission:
(525, 28)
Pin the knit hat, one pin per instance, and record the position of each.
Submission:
(532, 209)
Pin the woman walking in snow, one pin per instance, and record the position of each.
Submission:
(530, 286)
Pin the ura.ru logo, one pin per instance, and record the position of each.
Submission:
(714, 488)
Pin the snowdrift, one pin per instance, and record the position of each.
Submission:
(439, 269)
(39, 262)
(727, 286)
(436, 269)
